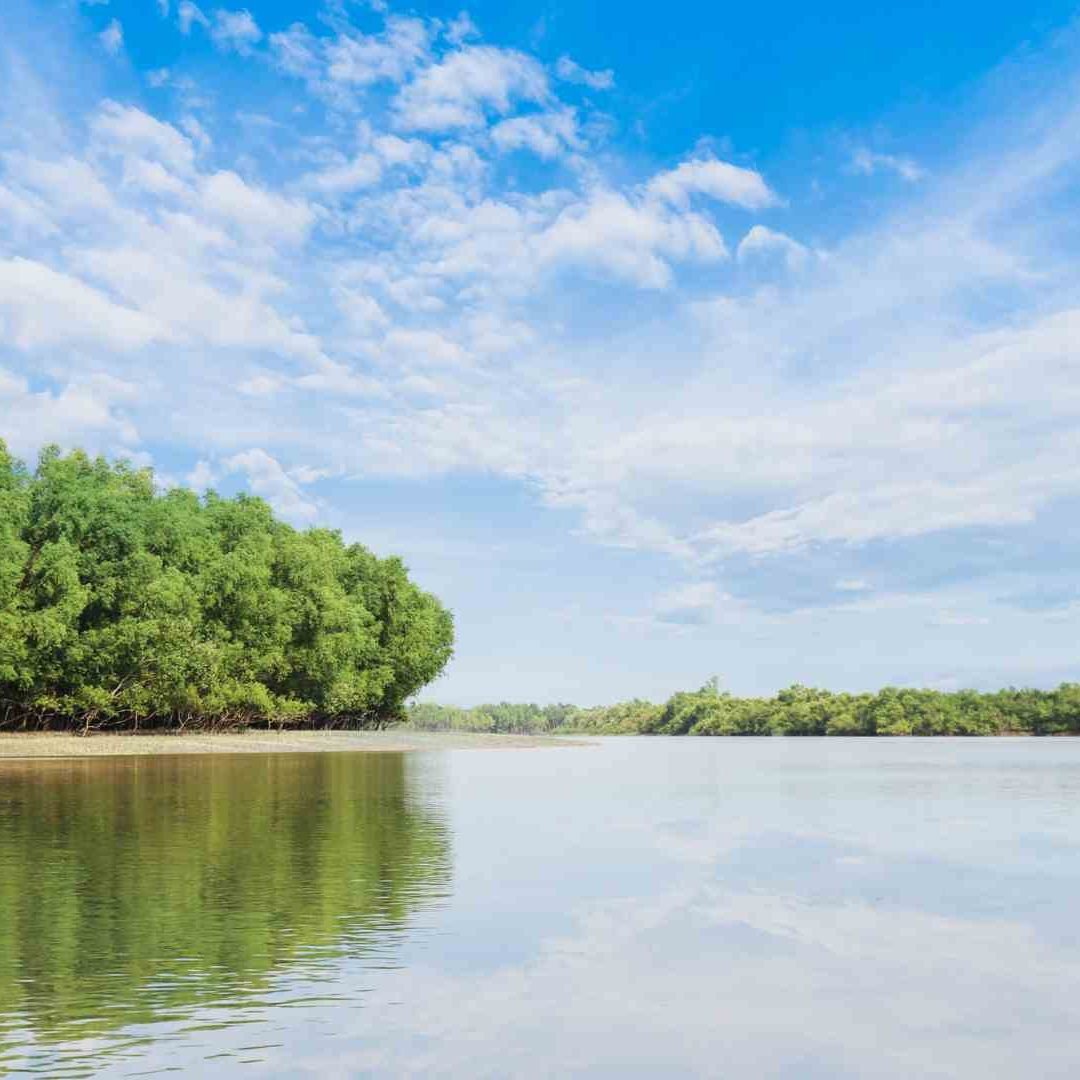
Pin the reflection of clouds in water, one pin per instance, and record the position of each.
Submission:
(708, 981)
(811, 911)
(657, 908)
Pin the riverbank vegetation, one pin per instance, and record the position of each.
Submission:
(798, 710)
(125, 608)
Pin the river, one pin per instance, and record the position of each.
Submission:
(800, 908)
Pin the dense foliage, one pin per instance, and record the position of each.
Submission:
(123, 607)
(798, 710)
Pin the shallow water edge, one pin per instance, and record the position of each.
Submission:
(51, 745)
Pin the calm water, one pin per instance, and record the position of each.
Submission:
(670, 907)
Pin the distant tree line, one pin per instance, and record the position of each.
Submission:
(798, 710)
(123, 607)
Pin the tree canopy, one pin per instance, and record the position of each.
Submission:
(121, 606)
(797, 710)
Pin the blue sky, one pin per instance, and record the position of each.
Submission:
(661, 343)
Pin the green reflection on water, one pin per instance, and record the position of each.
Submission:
(132, 889)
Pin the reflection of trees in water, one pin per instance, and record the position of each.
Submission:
(130, 888)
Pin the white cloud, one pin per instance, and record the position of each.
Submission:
(235, 31)
(296, 51)
(24, 214)
(715, 179)
(267, 477)
(126, 129)
(196, 132)
(40, 306)
(178, 294)
(868, 162)
(112, 37)
(362, 59)
(362, 313)
(87, 410)
(308, 474)
(65, 189)
(393, 150)
(466, 86)
(202, 477)
(761, 240)
(571, 71)
(737, 411)
(256, 212)
(188, 14)
(152, 176)
(858, 516)
(632, 242)
(461, 29)
(548, 134)
(364, 170)
(422, 348)
(336, 378)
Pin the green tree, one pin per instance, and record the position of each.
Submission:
(123, 607)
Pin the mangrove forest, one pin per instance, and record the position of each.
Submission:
(126, 607)
(797, 710)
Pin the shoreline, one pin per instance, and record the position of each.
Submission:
(50, 745)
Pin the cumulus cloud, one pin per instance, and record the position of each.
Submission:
(257, 213)
(761, 240)
(334, 377)
(461, 29)
(631, 241)
(202, 477)
(571, 71)
(421, 348)
(267, 477)
(89, 410)
(129, 130)
(235, 31)
(738, 413)
(468, 85)
(547, 135)
(40, 306)
(297, 52)
(714, 179)
(360, 59)
(364, 170)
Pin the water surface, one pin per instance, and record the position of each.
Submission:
(793, 908)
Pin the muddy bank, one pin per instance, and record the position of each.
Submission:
(50, 745)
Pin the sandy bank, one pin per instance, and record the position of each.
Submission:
(48, 745)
